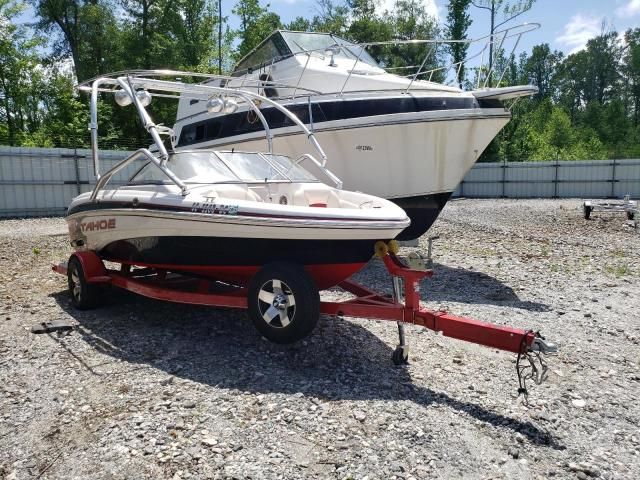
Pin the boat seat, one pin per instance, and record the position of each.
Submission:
(320, 197)
(235, 192)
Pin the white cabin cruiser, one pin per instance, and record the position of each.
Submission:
(223, 214)
(407, 139)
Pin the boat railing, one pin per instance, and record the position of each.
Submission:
(131, 88)
(486, 56)
(137, 155)
(306, 156)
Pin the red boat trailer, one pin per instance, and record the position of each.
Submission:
(161, 285)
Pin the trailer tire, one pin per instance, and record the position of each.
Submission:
(586, 209)
(630, 215)
(84, 296)
(283, 303)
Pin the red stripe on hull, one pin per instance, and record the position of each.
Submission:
(324, 276)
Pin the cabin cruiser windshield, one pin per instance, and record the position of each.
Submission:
(300, 42)
(284, 44)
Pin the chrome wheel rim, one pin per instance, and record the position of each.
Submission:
(76, 287)
(276, 303)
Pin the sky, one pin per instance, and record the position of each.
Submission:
(566, 24)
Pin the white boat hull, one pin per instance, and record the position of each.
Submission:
(392, 156)
(231, 239)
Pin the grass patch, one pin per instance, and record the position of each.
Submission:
(482, 252)
(618, 271)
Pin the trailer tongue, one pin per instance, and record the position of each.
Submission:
(86, 272)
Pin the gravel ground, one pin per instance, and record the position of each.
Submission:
(145, 389)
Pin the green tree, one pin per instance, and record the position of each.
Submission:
(20, 77)
(299, 24)
(66, 113)
(631, 71)
(330, 17)
(458, 22)
(410, 21)
(256, 23)
(87, 31)
(196, 29)
(540, 69)
(367, 25)
(603, 64)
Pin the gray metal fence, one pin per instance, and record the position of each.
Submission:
(560, 179)
(43, 181)
(40, 181)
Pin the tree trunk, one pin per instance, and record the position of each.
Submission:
(145, 39)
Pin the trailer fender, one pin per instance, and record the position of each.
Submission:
(94, 269)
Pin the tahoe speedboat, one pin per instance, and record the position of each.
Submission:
(407, 139)
(223, 213)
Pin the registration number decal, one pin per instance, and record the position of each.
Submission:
(214, 208)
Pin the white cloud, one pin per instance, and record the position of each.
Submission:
(429, 5)
(578, 31)
(630, 9)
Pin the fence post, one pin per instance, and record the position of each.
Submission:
(555, 180)
(504, 178)
(77, 167)
(613, 179)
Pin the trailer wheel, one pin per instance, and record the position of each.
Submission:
(586, 209)
(284, 303)
(83, 295)
(630, 215)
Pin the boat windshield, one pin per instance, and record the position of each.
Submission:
(283, 44)
(225, 167)
(258, 167)
(319, 42)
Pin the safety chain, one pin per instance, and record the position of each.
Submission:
(537, 368)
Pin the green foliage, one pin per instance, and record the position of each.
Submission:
(20, 78)
(458, 22)
(407, 21)
(299, 24)
(331, 18)
(256, 23)
(540, 69)
(87, 31)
